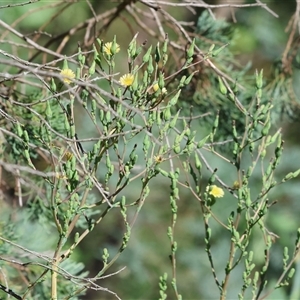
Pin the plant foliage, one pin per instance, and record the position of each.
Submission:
(117, 133)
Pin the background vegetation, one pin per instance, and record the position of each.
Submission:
(110, 189)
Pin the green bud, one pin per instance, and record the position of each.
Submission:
(73, 163)
(273, 138)
(259, 93)
(26, 137)
(188, 80)
(146, 143)
(19, 129)
(263, 153)
(174, 247)
(249, 172)
(179, 138)
(138, 51)
(157, 55)
(267, 108)
(133, 157)
(147, 55)
(107, 117)
(291, 273)
(202, 142)
(165, 58)
(250, 257)
(212, 179)
(101, 115)
(27, 156)
(198, 162)
(53, 85)
(236, 234)
(48, 110)
(222, 87)
(98, 62)
(259, 79)
(93, 106)
(211, 48)
(72, 130)
(174, 100)
(81, 60)
(291, 175)
(111, 169)
(81, 57)
(105, 253)
(188, 61)
(231, 97)
(150, 67)
(175, 193)
(190, 147)
(100, 43)
(76, 237)
(190, 50)
(208, 234)
(114, 46)
(266, 128)
(296, 173)
(96, 54)
(145, 78)
(182, 80)
(173, 122)
(92, 68)
(258, 112)
(216, 122)
(108, 162)
(167, 114)
(177, 149)
(163, 172)
(161, 82)
(67, 125)
(158, 119)
(187, 131)
(217, 51)
(248, 200)
(65, 64)
(78, 72)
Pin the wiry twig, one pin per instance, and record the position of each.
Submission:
(19, 4)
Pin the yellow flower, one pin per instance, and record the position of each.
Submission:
(156, 88)
(107, 48)
(67, 75)
(127, 80)
(215, 191)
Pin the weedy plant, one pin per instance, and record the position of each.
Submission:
(143, 126)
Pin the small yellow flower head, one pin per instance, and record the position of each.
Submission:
(107, 48)
(156, 88)
(127, 80)
(67, 75)
(215, 191)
